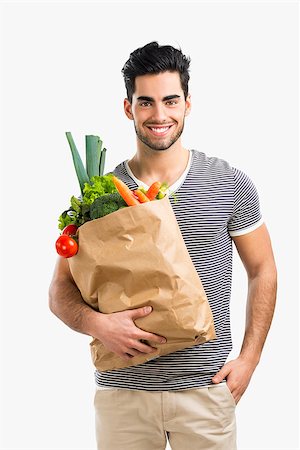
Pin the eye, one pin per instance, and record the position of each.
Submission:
(172, 102)
(145, 104)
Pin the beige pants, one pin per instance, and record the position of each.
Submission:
(193, 419)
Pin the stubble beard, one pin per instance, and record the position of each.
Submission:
(159, 146)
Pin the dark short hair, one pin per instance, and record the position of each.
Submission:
(152, 59)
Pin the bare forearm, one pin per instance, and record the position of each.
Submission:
(66, 302)
(260, 309)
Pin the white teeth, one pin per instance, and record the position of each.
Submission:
(160, 130)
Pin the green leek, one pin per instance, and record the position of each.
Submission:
(93, 153)
(79, 167)
(102, 162)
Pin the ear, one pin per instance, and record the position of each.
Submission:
(188, 105)
(127, 109)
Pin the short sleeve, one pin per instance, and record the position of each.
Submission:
(246, 216)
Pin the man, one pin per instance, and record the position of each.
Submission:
(189, 395)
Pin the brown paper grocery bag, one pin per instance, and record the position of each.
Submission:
(136, 257)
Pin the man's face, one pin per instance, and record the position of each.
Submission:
(158, 109)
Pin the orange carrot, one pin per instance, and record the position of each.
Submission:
(153, 190)
(141, 196)
(125, 192)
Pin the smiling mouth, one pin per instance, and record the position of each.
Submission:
(160, 131)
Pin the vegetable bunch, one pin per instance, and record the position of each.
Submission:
(100, 194)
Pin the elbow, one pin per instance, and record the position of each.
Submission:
(51, 298)
(266, 277)
(266, 270)
(271, 281)
(273, 274)
(270, 273)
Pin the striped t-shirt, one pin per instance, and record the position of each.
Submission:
(214, 202)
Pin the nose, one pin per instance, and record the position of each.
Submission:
(159, 113)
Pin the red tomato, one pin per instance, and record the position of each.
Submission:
(70, 230)
(66, 246)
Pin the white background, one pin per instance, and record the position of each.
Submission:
(61, 71)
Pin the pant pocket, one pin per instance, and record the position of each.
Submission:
(230, 394)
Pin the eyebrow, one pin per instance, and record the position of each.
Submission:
(151, 99)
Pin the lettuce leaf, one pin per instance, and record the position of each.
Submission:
(66, 218)
(99, 186)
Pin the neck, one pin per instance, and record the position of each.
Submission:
(159, 165)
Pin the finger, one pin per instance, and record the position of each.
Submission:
(153, 337)
(133, 352)
(139, 312)
(221, 374)
(125, 356)
(143, 348)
